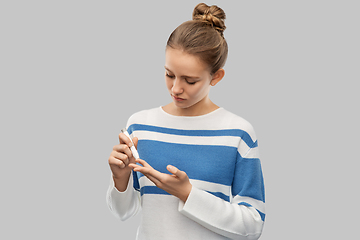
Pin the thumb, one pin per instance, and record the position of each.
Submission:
(175, 171)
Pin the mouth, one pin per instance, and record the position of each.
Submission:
(177, 98)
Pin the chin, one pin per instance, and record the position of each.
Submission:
(179, 105)
(183, 105)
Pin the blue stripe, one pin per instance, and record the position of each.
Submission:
(220, 195)
(245, 204)
(152, 190)
(248, 180)
(199, 133)
(136, 181)
(156, 190)
(207, 163)
(262, 215)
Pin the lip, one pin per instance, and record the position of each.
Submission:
(177, 98)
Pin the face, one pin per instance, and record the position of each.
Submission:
(187, 78)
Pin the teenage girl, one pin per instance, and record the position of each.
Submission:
(199, 174)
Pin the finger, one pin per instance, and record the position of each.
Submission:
(156, 181)
(123, 139)
(148, 170)
(121, 156)
(144, 169)
(176, 171)
(137, 168)
(133, 166)
(172, 169)
(143, 162)
(116, 162)
(122, 148)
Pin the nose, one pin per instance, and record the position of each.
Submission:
(177, 87)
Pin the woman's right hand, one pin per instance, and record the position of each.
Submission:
(119, 161)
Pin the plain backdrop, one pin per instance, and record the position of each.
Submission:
(72, 72)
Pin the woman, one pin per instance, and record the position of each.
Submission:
(199, 175)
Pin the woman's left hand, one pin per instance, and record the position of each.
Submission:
(177, 184)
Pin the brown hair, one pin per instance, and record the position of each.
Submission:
(203, 36)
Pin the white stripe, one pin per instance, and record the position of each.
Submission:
(247, 152)
(230, 141)
(259, 205)
(211, 187)
(243, 149)
(207, 186)
(219, 120)
(144, 181)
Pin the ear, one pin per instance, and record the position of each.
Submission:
(217, 76)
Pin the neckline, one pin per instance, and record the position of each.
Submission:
(190, 117)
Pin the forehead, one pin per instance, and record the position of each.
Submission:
(181, 62)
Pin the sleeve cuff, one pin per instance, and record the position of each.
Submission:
(195, 203)
(123, 204)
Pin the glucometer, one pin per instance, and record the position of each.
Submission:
(132, 148)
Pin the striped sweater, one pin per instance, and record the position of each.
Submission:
(219, 153)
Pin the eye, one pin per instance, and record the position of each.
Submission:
(169, 76)
(191, 83)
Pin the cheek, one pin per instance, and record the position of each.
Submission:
(199, 91)
(168, 84)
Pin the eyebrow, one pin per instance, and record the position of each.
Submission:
(184, 76)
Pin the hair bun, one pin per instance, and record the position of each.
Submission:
(212, 15)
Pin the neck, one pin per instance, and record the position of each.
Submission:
(203, 107)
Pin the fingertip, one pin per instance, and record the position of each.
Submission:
(132, 165)
(171, 169)
(139, 160)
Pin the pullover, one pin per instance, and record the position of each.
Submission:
(219, 153)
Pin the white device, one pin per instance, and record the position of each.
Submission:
(132, 148)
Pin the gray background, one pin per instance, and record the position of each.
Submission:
(72, 72)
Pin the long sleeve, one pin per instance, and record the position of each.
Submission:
(123, 204)
(241, 218)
